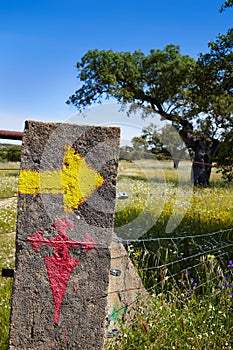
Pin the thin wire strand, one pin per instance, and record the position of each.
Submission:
(127, 241)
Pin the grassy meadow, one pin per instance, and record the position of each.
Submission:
(180, 240)
(8, 202)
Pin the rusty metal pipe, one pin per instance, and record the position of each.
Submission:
(11, 135)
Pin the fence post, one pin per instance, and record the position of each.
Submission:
(64, 231)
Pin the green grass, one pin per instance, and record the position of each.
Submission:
(155, 197)
(8, 179)
(177, 319)
(8, 203)
(189, 315)
(8, 215)
(12, 166)
(7, 255)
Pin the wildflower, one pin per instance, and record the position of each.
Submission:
(190, 292)
(231, 309)
(231, 294)
(230, 262)
(211, 256)
(227, 285)
(191, 280)
(195, 284)
(183, 282)
(229, 266)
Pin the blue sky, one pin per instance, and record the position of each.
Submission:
(41, 41)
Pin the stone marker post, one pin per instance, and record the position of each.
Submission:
(64, 229)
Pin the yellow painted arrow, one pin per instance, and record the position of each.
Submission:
(76, 180)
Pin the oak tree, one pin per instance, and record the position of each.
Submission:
(195, 96)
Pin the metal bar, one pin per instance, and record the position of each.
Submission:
(11, 135)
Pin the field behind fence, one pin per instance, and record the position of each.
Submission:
(187, 271)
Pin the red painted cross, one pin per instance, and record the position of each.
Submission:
(60, 264)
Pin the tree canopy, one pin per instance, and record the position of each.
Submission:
(196, 96)
(10, 153)
(226, 4)
(158, 81)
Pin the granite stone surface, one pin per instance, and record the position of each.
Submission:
(66, 203)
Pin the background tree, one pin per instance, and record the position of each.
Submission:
(139, 144)
(151, 136)
(172, 142)
(169, 84)
(10, 153)
(165, 143)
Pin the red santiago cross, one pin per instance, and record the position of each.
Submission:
(60, 264)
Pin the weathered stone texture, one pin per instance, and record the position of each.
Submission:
(126, 291)
(82, 317)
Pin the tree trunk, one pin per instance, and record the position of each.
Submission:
(175, 163)
(204, 149)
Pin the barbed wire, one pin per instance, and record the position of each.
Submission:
(153, 239)
(212, 165)
(120, 240)
(170, 277)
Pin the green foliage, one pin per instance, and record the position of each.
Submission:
(225, 157)
(160, 78)
(175, 86)
(10, 153)
(213, 81)
(226, 4)
(164, 143)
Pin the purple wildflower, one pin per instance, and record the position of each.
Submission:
(190, 292)
(191, 279)
(195, 284)
(230, 262)
(231, 294)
